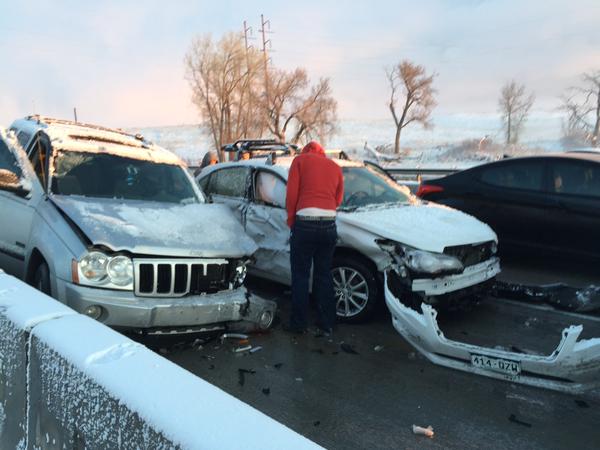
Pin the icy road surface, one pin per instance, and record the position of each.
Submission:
(366, 387)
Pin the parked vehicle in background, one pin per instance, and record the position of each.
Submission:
(447, 257)
(116, 228)
(542, 202)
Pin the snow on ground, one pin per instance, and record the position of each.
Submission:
(437, 146)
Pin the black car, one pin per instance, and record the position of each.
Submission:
(543, 202)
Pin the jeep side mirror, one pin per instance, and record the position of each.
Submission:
(10, 181)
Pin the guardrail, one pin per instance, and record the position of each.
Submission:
(67, 381)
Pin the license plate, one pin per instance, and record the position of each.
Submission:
(496, 364)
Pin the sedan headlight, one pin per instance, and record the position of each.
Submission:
(433, 263)
(100, 270)
(421, 261)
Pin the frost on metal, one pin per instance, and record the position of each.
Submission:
(573, 367)
(71, 409)
(159, 229)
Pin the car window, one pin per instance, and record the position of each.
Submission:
(575, 178)
(23, 138)
(8, 161)
(39, 156)
(104, 175)
(521, 175)
(230, 182)
(364, 186)
(270, 189)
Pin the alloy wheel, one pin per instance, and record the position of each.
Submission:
(351, 291)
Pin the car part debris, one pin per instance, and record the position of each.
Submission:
(423, 431)
(242, 349)
(278, 365)
(558, 295)
(572, 367)
(299, 379)
(233, 336)
(256, 349)
(378, 348)
(512, 418)
(347, 348)
(242, 375)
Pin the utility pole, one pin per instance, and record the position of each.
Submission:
(263, 29)
(75, 113)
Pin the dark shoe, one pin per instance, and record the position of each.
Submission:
(293, 330)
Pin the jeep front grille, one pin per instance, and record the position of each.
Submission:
(179, 277)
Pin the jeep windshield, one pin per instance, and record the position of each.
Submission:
(105, 175)
(363, 186)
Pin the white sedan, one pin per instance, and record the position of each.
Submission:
(442, 256)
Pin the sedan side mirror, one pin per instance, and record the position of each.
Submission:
(10, 181)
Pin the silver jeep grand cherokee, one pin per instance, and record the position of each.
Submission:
(115, 227)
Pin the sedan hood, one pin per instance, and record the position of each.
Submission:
(159, 229)
(425, 226)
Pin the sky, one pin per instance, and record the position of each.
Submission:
(121, 62)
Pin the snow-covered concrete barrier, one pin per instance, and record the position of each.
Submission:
(67, 381)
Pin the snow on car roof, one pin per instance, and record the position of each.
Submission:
(72, 136)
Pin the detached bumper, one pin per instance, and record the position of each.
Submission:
(124, 309)
(573, 367)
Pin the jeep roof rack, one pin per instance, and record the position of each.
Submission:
(52, 120)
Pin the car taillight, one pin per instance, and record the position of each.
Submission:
(426, 189)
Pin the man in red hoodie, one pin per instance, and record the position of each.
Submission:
(315, 189)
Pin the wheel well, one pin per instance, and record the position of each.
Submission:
(354, 254)
(35, 260)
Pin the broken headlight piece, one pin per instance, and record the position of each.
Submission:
(421, 261)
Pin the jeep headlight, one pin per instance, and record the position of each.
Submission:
(432, 263)
(239, 273)
(100, 270)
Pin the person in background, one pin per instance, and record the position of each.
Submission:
(315, 189)
(209, 159)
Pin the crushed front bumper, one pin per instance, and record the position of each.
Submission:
(472, 275)
(573, 367)
(124, 310)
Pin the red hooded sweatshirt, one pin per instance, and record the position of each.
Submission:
(314, 181)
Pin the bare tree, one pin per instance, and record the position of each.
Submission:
(582, 104)
(412, 91)
(295, 110)
(514, 105)
(223, 76)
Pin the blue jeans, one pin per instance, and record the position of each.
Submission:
(312, 243)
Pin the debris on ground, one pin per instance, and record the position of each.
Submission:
(242, 375)
(348, 348)
(256, 349)
(233, 336)
(558, 295)
(278, 365)
(378, 348)
(242, 349)
(266, 391)
(423, 431)
(211, 367)
(316, 423)
(582, 403)
(512, 418)
(299, 379)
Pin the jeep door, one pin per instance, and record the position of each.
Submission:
(266, 223)
(17, 209)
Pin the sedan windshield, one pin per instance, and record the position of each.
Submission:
(364, 186)
(105, 175)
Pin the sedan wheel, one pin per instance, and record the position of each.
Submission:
(355, 289)
(351, 291)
